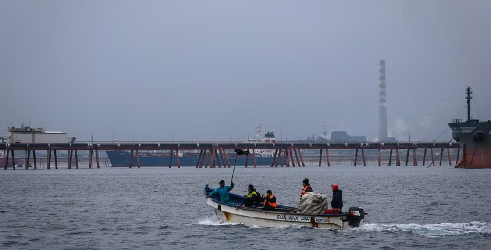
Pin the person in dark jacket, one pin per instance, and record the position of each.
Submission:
(252, 197)
(336, 197)
(270, 202)
(306, 187)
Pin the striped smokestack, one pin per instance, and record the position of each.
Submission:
(382, 109)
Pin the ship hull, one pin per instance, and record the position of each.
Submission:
(122, 159)
(475, 140)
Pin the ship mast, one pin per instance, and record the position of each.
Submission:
(468, 98)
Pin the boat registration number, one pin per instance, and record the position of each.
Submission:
(293, 218)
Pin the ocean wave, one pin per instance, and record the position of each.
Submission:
(214, 222)
(432, 230)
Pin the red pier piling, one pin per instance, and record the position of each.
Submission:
(56, 160)
(48, 160)
(274, 159)
(320, 159)
(363, 155)
(76, 160)
(138, 158)
(69, 159)
(424, 157)
(301, 157)
(34, 158)
(356, 158)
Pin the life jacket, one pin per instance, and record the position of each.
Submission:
(272, 204)
(304, 189)
(251, 194)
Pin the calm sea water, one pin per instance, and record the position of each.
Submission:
(162, 208)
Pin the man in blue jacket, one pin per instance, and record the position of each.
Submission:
(222, 191)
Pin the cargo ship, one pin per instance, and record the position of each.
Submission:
(263, 157)
(475, 138)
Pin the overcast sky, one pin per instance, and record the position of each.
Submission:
(144, 70)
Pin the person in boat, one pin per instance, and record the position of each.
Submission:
(252, 197)
(336, 197)
(270, 202)
(306, 187)
(222, 191)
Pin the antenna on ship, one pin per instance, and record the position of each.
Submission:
(468, 98)
(257, 131)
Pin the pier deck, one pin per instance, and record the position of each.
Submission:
(216, 151)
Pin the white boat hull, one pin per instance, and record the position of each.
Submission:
(258, 217)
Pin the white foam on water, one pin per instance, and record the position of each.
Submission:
(214, 222)
(432, 230)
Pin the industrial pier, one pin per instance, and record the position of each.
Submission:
(213, 154)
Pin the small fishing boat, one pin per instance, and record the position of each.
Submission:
(233, 211)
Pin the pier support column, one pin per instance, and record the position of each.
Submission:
(76, 160)
(254, 159)
(170, 157)
(34, 159)
(301, 158)
(90, 159)
(97, 158)
(198, 160)
(274, 159)
(390, 158)
(208, 156)
(415, 158)
(449, 160)
(226, 157)
(397, 157)
(278, 157)
(26, 161)
(216, 155)
(13, 159)
(48, 159)
(363, 155)
(432, 157)
(56, 159)
(379, 158)
(296, 156)
(320, 159)
(221, 156)
(356, 158)
(441, 156)
(69, 159)
(6, 159)
(246, 160)
(457, 159)
(291, 156)
(287, 157)
(138, 158)
(407, 156)
(328, 157)
(424, 157)
(283, 157)
(178, 158)
(131, 158)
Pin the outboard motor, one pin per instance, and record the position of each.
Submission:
(355, 215)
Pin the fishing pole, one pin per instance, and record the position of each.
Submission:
(236, 157)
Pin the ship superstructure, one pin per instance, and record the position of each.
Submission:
(475, 138)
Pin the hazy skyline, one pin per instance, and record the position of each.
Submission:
(200, 70)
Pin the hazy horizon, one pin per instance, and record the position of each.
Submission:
(153, 70)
